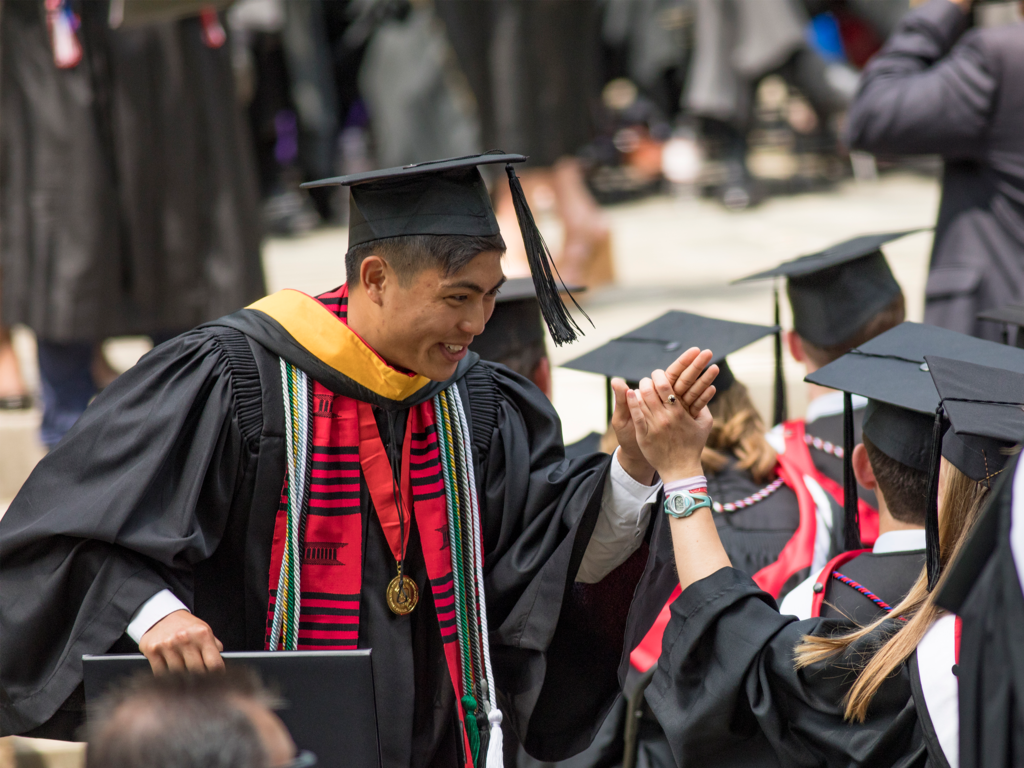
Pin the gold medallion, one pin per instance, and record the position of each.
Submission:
(402, 600)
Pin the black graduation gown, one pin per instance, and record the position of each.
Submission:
(590, 443)
(753, 536)
(931, 91)
(889, 575)
(830, 428)
(727, 694)
(172, 478)
(983, 587)
(128, 195)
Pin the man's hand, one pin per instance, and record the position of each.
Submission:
(630, 457)
(671, 435)
(181, 641)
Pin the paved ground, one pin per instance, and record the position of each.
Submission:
(670, 254)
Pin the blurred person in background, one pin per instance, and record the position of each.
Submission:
(534, 69)
(219, 720)
(14, 394)
(128, 198)
(937, 88)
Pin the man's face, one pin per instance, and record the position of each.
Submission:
(428, 325)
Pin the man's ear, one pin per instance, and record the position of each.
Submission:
(796, 346)
(373, 276)
(541, 376)
(862, 469)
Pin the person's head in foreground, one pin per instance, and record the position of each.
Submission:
(176, 720)
(423, 266)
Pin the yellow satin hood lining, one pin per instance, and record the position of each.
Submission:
(328, 339)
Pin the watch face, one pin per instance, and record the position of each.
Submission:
(681, 503)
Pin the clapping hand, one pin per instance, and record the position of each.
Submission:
(681, 379)
(670, 416)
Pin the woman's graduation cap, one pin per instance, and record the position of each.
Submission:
(904, 417)
(1008, 315)
(658, 343)
(835, 292)
(449, 197)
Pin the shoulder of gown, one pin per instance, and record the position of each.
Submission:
(727, 691)
(109, 517)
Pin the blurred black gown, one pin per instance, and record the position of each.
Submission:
(128, 194)
(172, 478)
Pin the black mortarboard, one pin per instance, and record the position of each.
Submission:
(449, 197)
(985, 408)
(657, 344)
(515, 324)
(891, 369)
(1010, 314)
(835, 292)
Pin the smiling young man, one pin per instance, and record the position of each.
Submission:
(340, 472)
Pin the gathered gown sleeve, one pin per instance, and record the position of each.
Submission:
(136, 495)
(560, 648)
(727, 692)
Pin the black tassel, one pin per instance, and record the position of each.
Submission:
(779, 414)
(560, 323)
(931, 514)
(851, 512)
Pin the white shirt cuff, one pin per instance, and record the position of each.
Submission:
(162, 604)
(621, 523)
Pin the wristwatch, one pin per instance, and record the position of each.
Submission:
(684, 503)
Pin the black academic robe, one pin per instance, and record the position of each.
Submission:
(171, 480)
(932, 91)
(889, 575)
(983, 587)
(753, 536)
(727, 693)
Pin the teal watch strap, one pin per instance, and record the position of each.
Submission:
(684, 503)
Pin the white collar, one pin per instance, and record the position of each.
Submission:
(910, 540)
(830, 404)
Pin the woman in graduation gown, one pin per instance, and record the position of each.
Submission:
(739, 684)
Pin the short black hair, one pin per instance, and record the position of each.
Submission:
(409, 254)
(905, 489)
(178, 720)
(524, 359)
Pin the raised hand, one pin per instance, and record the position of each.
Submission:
(630, 457)
(672, 423)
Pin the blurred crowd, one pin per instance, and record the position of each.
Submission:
(148, 146)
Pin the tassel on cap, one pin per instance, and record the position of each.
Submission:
(560, 323)
(851, 511)
(931, 514)
(779, 414)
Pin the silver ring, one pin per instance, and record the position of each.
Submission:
(672, 398)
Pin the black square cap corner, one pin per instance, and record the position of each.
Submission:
(431, 167)
(836, 255)
(891, 367)
(979, 399)
(658, 343)
(1012, 314)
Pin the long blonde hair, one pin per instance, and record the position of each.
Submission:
(738, 430)
(962, 500)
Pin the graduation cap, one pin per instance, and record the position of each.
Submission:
(658, 343)
(1010, 314)
(449, 197)
(904, 418)
(835, 292)
(516, 322)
